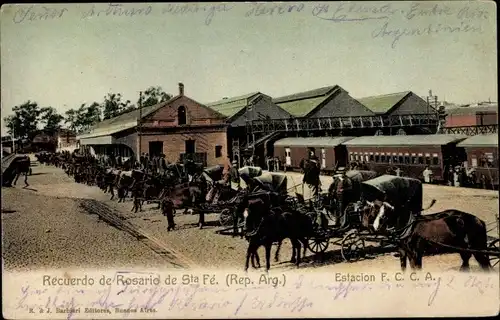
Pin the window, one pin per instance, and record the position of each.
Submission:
(420, 158)
(407, 158)
(401, 158)
(366, 158)
(435, 159)
(218, 151)
(427, 158)
(414, 159)
(377, 157)
(351, 156)
(382, 157)
(394, 158)
(181, 115)
(372, 158)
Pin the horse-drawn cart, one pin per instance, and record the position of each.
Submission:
(350, 235)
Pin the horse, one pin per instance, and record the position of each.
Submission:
(264, 226)
(452, 230)
(187, 195)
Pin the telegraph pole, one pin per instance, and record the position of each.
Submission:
(139, 126)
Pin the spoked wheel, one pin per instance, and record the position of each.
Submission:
(226, 218)
(318, 244)
(353, 247)
(494, 246)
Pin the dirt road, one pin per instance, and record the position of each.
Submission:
(187, 246)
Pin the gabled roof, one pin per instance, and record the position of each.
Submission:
(301, 104)
(231, 106)
(383, 103)
(487, 140)
(402, 140)
(312, 141)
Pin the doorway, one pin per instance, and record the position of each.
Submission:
(190, 146)
(155, 148)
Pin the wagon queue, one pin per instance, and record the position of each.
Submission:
(266, 214)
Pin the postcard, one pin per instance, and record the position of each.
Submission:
(249, 160)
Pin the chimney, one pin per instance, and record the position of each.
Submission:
(181, 89)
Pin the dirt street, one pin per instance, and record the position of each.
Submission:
(77, 238)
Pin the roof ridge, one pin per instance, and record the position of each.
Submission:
(385, 95)
(303, 94)
(233, 99)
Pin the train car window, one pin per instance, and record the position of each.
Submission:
(372, 158)
(427, 159)
(377, 158)
(407, 159)
(420, 160)
(435, 159)
(367, 158)
(382, 158)
(401, 159)
(394, 159)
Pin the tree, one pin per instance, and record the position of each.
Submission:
(24, 122)
(84, 117)
(114, 106)
(152, 96)
(51, 119)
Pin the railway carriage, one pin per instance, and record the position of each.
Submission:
(329, 150)
(482, 156)
(411, 154)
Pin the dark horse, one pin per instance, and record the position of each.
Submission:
(187, 195)
(18, 166)
(264, 226)
(451, 230)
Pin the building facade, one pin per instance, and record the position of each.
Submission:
(178, 128)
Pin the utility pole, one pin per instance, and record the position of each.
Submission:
(139, 126)
(13, 140)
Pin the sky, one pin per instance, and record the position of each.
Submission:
(66, 55)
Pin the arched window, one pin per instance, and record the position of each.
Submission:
(181, 115)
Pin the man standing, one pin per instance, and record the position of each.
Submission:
(235, 174)
(427, 175)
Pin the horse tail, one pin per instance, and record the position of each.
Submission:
(433, 201)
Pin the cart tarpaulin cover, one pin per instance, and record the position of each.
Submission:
(361, 175)
(271, 181)
(214, 173)
(247, 173)
(400, 191)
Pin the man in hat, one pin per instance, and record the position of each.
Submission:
(234, 173)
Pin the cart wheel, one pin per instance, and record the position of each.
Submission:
(494, 246)
(318, 244)
(353, 247)
(226, 218)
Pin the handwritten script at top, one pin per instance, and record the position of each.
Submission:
(296, 297)
(389, 20)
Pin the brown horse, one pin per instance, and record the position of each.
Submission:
(447, 231)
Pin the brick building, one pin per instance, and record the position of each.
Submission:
(180, 127)
(480, 114)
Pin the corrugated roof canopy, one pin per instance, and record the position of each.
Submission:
(301, 104)
(230, 107)
(413, 140)
(383, 103)
(312, 142)
(487, 140)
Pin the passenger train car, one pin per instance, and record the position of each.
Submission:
(410, 153)
(482, 156)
